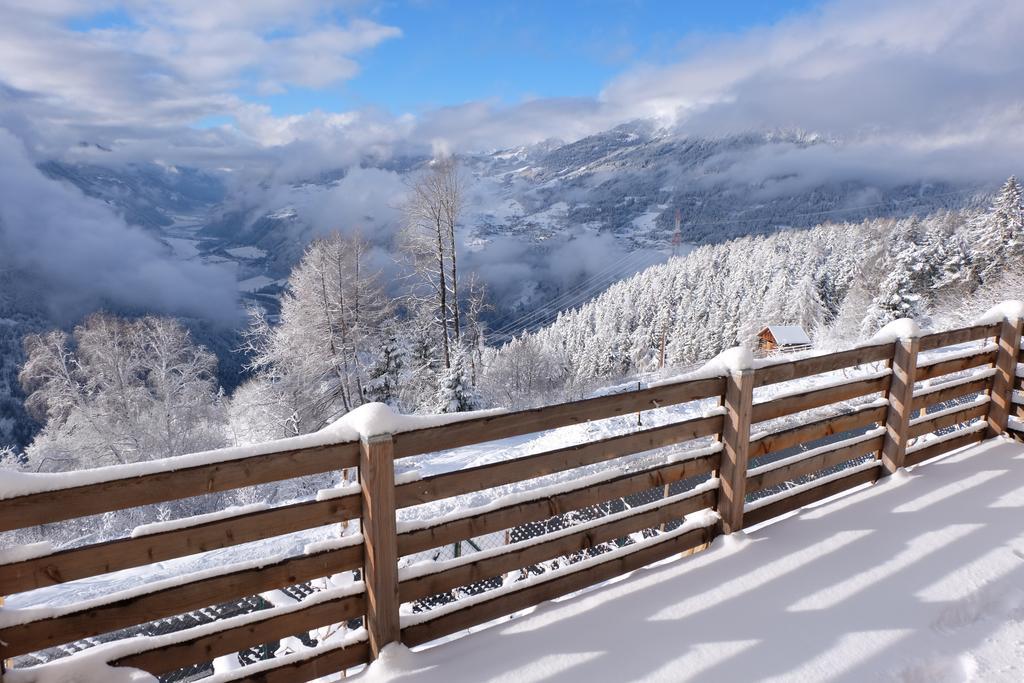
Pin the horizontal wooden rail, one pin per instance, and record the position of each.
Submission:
(160, 487)
(922, 426)
(944, 393)
(549, 462)
(560, 584)
(491, 521)
(124, 553)
(782, 503)
(818, 429)
(964, 437)
(817, 398)
(328, 662)
(565, 544)
(166, 602)
(206, 647)
(819, 459)
(495, 427)
(816, 365)
(938, 367)
(960, 335)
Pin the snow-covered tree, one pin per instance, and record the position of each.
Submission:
(120, 391)
(997, 237)
(384, 377)
(455, 392)
(314, 363)
(432, 212)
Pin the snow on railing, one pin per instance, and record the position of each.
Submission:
(605, 485)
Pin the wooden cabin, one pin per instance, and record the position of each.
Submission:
(776, 338)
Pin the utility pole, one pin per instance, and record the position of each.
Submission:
(677, 237)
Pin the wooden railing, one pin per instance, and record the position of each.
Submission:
(857, 412)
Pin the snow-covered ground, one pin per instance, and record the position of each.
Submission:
(917, 578)
(255, 283)
(247, 252)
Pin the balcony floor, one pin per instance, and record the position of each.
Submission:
(917, 578)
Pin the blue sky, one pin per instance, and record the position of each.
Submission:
(198, 81)
(454, 51)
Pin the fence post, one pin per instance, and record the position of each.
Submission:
(380, 541)
(901, 401)
(1001, 395)
(732, 487)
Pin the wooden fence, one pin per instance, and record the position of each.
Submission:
(747, 488)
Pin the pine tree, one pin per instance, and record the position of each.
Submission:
(806, 309)
(455, 393)
(998, 235)
(383, 378)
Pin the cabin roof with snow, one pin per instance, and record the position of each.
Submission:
(785, 335)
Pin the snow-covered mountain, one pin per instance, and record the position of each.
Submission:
(547, 226)
(599, 199)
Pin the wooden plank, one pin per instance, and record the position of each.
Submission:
(818, 429)
(787, 503)
(1011, 431)
(559, 460)
(901, 401)
(939, 367)
(928, 452)
(941, 394)
(835, 455)
(816, 398)
(805, 367)
(496, 427)
(942, 421)
(123, 553)
(311, 668)
(509, 516)
(466, 574)
(148, 489)
(960, 335)
(43, 633)
(1002, 382)
(538, 592)
(205, 648)
(380, 542)
(739, 395)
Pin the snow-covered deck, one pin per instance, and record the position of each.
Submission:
(917, 578)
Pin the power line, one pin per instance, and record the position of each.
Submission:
(613, 267)
(577, 294)
(572, 296)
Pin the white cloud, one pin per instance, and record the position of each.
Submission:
(911, 87)
(172, 64)
(926, 84)
(75, 253)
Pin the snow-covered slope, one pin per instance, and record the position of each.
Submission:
(597, 199)
(548, 227)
